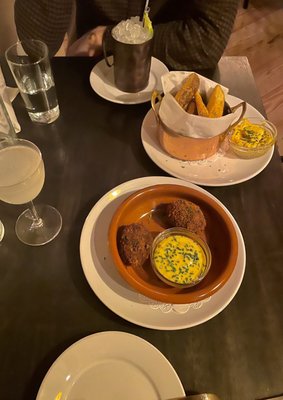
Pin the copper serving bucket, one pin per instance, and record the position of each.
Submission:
(188, 148)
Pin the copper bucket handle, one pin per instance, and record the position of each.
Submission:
(156, 98)
(104, 49)
(243, 104)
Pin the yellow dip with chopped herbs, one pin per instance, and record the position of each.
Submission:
(179, 259)
(251, 135)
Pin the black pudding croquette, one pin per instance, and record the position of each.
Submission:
(185, 214)
(134, 244)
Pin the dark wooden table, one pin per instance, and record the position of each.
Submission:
(46, 303)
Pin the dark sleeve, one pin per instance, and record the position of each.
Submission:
(196, 41)
(46, 20)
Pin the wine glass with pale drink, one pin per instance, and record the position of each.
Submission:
(22, 177)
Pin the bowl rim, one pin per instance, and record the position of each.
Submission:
(182, 232)
(174, 295)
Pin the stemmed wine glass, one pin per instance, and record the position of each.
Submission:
(6, 129)
(22, 177)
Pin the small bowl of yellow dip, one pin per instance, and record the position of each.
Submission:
(252, 137)
(180, 258)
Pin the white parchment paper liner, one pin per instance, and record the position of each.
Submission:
(177, 119)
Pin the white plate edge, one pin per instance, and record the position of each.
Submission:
(141, 101)
(87, 229)
(123, 334)
(199, 181)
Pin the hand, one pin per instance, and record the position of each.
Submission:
(89, 45)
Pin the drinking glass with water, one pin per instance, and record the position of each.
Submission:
(30, 66)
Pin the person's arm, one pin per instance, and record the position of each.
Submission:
(90, 44)
(197, 42)
(46, 20)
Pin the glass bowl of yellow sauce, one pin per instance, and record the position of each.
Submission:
(252, 137)
(180, 258)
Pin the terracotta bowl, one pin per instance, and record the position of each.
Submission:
(146, 206)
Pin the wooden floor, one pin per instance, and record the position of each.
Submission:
(258, 34)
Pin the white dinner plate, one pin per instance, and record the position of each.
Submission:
(222, 169)
(102, 82)
(118, 296)
(111, 366)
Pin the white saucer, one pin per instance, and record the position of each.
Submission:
(102, 82)
(222, 169)
(111, 365)
(118, 296)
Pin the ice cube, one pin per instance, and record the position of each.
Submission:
(131, 31)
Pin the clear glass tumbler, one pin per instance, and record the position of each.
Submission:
(30, 65)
